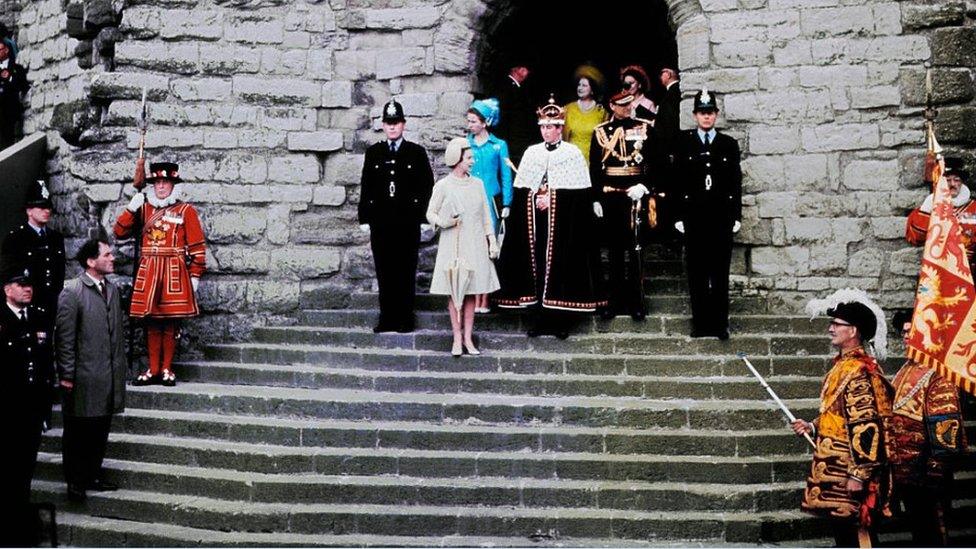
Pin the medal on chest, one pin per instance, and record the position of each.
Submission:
(157, 235)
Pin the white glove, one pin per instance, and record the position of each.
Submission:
(598, 210)
(637, 192)
(195, 282)
(493, 249)
(364, 227)
(136, 202)
(736, 226)
(505, 211)
(680, 227)
(424, 226)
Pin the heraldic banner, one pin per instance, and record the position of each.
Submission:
(943, 334)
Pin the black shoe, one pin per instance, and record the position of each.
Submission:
(76, 493)
(405, 328)
(533, 332)
(699, 333)
(99, 485)
(380, 328)
(561, 334)
(607, 314)
(723, 335)
(639, 316)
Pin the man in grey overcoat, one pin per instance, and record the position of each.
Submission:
(91, 367)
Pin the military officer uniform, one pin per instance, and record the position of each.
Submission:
(621, 153)
(396, 185)
(709, 213)
(26, 388)
(41, 250)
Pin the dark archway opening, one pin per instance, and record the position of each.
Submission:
(556, 37)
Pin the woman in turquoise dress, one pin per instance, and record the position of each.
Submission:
(491, 166)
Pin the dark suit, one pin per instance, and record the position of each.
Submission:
(518, 124)
(13, 86)
(26, 386)
(710, 202)
(668, 121)
(393, 201)
(44, 256)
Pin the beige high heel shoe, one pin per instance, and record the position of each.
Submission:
(456, 350)
(471, 349)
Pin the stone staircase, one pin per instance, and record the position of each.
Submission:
(322, 433)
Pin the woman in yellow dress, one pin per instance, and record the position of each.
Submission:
(586, 112)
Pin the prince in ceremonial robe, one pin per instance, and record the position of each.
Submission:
(550, 260)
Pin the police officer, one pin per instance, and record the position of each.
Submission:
(621, 150)
(38, 247)
(397, 182)
(26, 382)
(709, 214)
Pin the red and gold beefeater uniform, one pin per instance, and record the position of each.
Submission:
(173, 249)
(851, 441)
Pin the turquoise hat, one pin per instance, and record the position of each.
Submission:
(488, 109)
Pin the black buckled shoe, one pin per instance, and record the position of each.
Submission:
(145, 378)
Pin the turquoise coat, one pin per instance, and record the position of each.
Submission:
(491, 167)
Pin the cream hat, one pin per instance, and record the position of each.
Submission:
(455, 150)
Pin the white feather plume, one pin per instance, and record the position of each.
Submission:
(819, 307)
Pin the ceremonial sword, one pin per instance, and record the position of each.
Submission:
(786, 411)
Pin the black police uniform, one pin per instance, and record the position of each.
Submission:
(396, 187)
(710, 202)
(26, 390)
(622, 152)
(43, 255)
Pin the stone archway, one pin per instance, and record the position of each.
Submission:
(467, 24)
(554, 40)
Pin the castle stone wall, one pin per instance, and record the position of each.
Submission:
(268, 106)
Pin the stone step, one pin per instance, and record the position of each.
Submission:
(463, 437)
(345, 519)
(596, 344)
(426, 463)
(80, 530)
(312, 376)
(458, 408)
(523, 440)
(502, 321)
(671, 304)
(402, 490)
(522, 362)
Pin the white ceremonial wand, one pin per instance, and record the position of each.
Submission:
(786, 411)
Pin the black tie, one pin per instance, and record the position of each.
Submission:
(392, 147)
(23, 315)
(103, 289)
(707, 140)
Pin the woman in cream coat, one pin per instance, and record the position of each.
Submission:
(459, 208)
